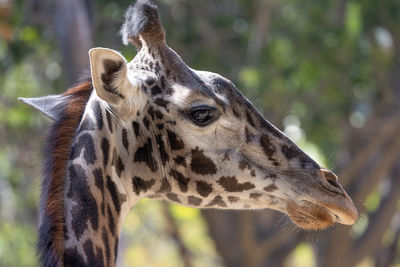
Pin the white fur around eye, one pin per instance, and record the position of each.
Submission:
(180, 95)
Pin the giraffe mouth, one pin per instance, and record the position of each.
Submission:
(310, 216)
(318, 215)
(342, 208)
(324, 203)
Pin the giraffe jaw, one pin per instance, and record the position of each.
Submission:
(319, 215)
(309, 216)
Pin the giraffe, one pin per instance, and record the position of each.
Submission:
(155, 128)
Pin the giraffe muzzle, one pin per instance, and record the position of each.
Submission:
(339, 203)
(343, 208)
(322, 204)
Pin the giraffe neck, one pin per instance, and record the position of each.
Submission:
(95, 197)
(86, 191)
(110, 167)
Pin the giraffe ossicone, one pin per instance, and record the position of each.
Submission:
(153, 127)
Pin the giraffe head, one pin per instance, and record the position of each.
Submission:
(214, 148)
(191, 137)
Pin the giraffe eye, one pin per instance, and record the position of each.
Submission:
(202, 115)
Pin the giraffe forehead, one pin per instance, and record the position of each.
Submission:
(167, 74)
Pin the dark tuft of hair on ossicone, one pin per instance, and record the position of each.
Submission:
(142, 19)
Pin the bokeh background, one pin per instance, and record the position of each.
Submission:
(325, 72)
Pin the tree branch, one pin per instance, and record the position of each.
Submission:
(259, 31)
(379, 221)
(380, 135)
(382, 167)
(174, 233)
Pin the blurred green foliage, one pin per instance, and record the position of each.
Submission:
(149, 244)
(319, 70)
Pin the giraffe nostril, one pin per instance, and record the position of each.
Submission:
(330, 176)
(332, 180)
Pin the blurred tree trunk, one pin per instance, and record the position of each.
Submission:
(259, 30)
(71, 21)
(72, 25)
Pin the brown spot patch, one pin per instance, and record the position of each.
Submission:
(249, 136)
(250, 119)
(217, 201)
(146, 122)
(85, 143)
(233, 199)
(120, 166)
(175, 142)
(105, 148)
(116, 196)
(165, 186)
(155, 90)
(236, 113)
(201, 164)
(145, 154)
(136, 128)
(270, 188)
(291, 152)
(73, 258)
(99, 182)
(173, 197)
(109, 121)
(195, 201)
(125, 141)
(94, 258)
(179, 160)
(161, 102)
(85, 209)
(155, 114)
(243, 164)
(141, 185)
(181, 179)
(203, 188)
(268, 148)
(161, 149)
(231, 184)
(255, 196)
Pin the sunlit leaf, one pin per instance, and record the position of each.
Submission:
(353, 19)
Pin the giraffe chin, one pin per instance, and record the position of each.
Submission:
(310, 216)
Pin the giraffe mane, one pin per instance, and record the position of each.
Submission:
(57, 149)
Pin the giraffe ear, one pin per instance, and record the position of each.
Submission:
(52, 106)
(109, 74)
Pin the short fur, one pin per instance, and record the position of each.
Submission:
(57, 149)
